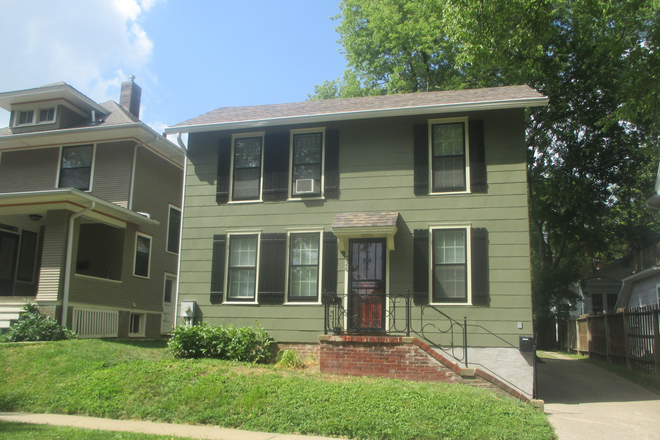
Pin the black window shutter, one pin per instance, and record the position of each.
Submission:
(218, 268)
(276, 167)
(480, 282)
(224, 169)
(421, 145)
(478, 179)
(331, 177)
(421, 267)
(272, 268)
(329, 287)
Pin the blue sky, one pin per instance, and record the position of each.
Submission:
(189, 57)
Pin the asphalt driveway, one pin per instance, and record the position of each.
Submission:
(586, 402)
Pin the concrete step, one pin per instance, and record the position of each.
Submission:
(5, 324)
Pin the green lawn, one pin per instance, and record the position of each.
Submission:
(141, 381)
(20, 431)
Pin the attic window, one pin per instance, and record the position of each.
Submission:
(47, 115)
(26, 117)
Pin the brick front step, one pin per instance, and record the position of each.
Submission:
(403, 358)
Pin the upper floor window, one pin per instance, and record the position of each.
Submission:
(306, 164)
(47, 115)
(26, 117)
(448, 150)
(173, 230)
(246, 167)
(35, 116)
(142, 255)
(76, 167)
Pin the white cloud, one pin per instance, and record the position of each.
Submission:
(91, 45)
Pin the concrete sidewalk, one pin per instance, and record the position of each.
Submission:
(584, 402)
(192, 431)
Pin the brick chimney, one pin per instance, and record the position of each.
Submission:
(130, 97)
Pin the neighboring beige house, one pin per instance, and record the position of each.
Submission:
(317, 217)
(90, 208)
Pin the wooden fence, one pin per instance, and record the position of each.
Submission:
(628, 337)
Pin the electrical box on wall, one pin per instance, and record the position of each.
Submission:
(188, 309)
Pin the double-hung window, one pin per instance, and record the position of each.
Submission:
(307, 163)
(76, 167)
(247, 166)
(450, 270)
(242, 268)
(304, 257)
(449, 155)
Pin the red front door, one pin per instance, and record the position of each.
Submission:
(366, 301)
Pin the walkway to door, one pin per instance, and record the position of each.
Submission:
(587, 402)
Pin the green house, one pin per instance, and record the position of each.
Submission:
(376, 216)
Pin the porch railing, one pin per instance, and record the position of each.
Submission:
(392, 314)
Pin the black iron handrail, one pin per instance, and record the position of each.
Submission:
(367, 313)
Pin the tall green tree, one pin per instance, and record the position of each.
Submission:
(592, 153)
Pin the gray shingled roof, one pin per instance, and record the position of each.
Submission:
(365, 219)
(371, 103)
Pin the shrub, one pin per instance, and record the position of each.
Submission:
(244, 344)
(33, 326)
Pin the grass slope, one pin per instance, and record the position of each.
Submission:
(141, 381)
(20, 431)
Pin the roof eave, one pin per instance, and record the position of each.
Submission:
(363, 114)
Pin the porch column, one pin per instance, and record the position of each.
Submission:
(52, 262)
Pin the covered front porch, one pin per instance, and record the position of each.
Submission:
(48, 236)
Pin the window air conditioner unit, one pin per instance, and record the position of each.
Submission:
(306, 186)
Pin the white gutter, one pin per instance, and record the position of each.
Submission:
(183, 198)
(364, 114)
(67, 264)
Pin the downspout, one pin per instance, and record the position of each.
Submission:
(67, 264)
(135, 148)
(183, 197)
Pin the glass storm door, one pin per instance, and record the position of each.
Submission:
(366, 300)
(8, 253)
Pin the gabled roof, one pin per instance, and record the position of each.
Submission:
(365, 107)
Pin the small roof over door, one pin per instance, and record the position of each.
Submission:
(365, 225)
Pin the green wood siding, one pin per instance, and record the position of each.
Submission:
(376, 174)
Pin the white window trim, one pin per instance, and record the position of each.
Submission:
(468, 264)
(35, 116)
(143, 324)
(234, 137)
(91, 171)
(226, 299)
(319, 286)
(431, 123)
(167, 240)
(292, 133)
(151, 250)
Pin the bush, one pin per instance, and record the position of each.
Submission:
(291, 360)
(33, 326)
(244, 344)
